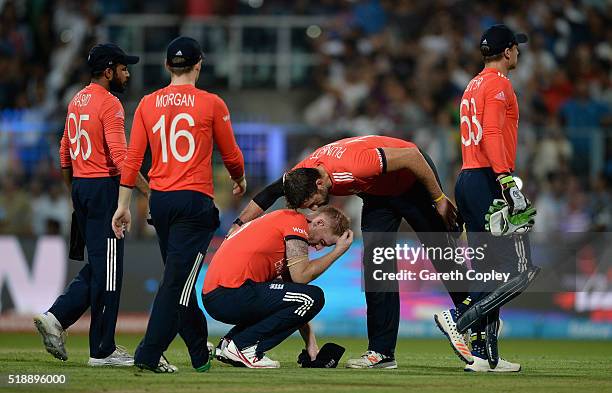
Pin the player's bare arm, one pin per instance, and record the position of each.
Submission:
(301, 269)
(413, 160)
(260, 203)
(240, 185)
(143, 185)
(308, 335)
(122, 219)
(249, 213)
(67, 176)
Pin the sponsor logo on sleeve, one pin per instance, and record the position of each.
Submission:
(300, 231)
(500, 96)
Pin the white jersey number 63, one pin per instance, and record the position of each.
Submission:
(473, 121)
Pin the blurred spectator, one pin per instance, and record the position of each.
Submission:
(15, 214)
(601, 205)
(550, 204)
(575, 215)
(582, 111)
(50, 211)
(343, 94)
(553, 152)
(396, 67)
(535, 61)
(557, 91)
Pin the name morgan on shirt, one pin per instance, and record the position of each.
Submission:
(175, 99)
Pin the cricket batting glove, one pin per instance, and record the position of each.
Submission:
(512, 195)
(500, 222)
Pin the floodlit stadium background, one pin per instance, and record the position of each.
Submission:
(296, 75)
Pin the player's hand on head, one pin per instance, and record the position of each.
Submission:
(122, 221)
(344, 241)
(447, 211)
(240, 186)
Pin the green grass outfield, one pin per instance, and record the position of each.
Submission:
(424, 366)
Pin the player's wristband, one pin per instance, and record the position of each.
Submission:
(238, 222)
(438, 199)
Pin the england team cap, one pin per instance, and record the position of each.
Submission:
(183, 52)
(499, 37)
(103, 56)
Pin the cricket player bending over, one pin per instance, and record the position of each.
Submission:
(241, 289)
(396, 182)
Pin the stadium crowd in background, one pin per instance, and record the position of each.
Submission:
(393, 67)
(400, 66)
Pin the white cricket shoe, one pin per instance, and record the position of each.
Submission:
(447, 323)
(371, 359)
(481, 365)
(211, 349)
(53, 335)
(163, 367)
(221, 357)
(248, 357)
(119, 358)
(221, 346)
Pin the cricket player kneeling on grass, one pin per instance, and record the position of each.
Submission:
(241, 289)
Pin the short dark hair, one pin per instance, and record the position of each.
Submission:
(489, 59)
(339, 221)
(178, 71)
(299, 185)
(97, 74)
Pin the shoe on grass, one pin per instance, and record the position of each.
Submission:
(119, 358)
(163, 367)
(481, 365)
(447, 323)
(372, 359)
(248, 357)
(53, 335)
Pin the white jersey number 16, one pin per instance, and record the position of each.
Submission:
(174, 136)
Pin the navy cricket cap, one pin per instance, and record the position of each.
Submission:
(499, 37)
(183, 52)
(103, 56)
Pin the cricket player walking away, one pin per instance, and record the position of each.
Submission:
(396, 181)
(92, 155)
(242, 287)
(486, 189)
(180, 123)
